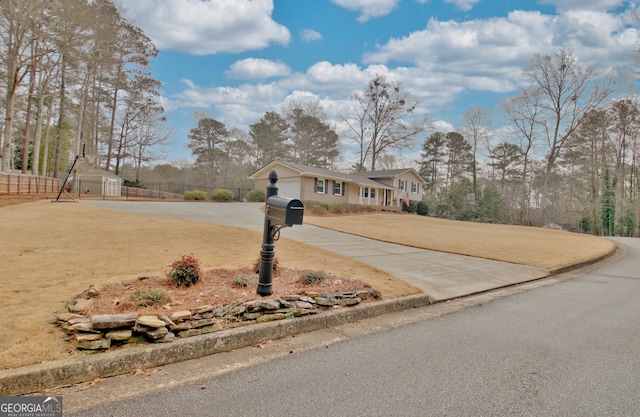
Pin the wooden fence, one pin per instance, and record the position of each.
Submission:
(22, 184)
(16, 184)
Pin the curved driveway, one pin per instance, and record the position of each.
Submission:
(440, 275)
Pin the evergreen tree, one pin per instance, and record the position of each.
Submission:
(206, 141)
(269, 137)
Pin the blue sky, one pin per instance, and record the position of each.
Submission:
(237, 59)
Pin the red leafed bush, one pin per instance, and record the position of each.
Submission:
(185, 271)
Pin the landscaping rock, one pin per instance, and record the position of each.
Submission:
(270, 317)
(87, 337)
(83, 327)
(150, 321)
(180, 316)
(251, 316)
(328, 302)
(307, 299)
(237, 311)
(69, 316)
(95, 344)
(119, 335)
(202, 330)
(202, 323)
(113, 321)
(166, 319)
(303, 305)
(348, 302)
(168, 338)
(269, 304)
(157, 333)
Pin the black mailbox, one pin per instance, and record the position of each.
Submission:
(284, 211)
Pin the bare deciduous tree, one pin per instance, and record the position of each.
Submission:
(381, 119)
(568, 92)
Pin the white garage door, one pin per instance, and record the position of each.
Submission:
(289, 188)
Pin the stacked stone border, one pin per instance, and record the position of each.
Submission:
(103, 331)
(36, 378)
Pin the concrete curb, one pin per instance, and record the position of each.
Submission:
(616, 248)
(36, 378)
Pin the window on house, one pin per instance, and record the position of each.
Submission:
(366, 191)
(402, 184)
(373, 193)
(414, 187)
(337, 188)
(319, 186)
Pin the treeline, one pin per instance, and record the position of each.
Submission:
(74, 73)
(567, 155)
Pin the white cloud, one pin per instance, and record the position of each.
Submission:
(257, 69)
(442, 126)
(490, 54)
(310, 35)
(368, 8)
(464, 5)
(204, 27)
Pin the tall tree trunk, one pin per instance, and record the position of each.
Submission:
(35, 164)
(45, 153)
(61, 119)
(27, 123)
(7, 148)
(112, 127)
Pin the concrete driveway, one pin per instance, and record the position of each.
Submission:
(440, 275)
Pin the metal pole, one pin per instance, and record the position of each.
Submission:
(267, 253)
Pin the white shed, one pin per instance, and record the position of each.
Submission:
(99, 182)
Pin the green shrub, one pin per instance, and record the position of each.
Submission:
(149, 297)
(256, 265)
(411, 208)
(195, 195)
(313, 277)
(422, 208)
(255, 196)
(242, 281)
(185, 271)
(221, 194)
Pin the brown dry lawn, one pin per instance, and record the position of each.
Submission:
(534, 246)
(56, 250)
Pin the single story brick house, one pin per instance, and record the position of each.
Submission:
(390, 188)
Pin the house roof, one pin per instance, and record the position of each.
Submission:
(393, 173)
(360, 178)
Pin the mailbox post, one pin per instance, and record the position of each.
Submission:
(279, 212)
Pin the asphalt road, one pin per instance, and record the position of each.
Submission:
(567, 349)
